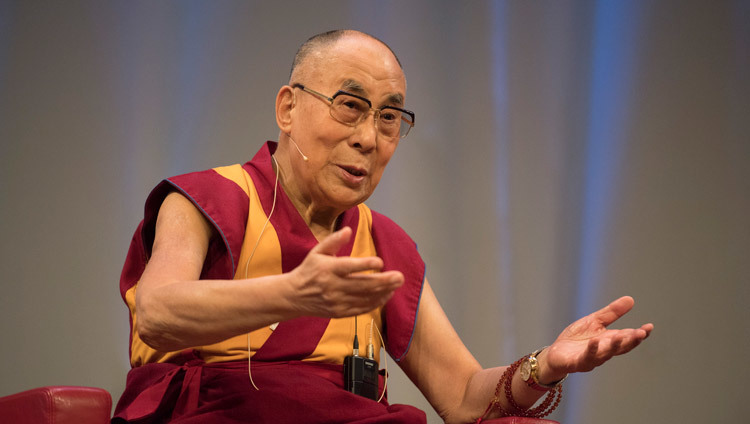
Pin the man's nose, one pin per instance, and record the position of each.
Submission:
(365, 134)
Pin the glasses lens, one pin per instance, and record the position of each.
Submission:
(389, 121)
(406, 123)
(348, 110)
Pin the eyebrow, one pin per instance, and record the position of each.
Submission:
(355, 87)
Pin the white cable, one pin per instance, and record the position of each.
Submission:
(273, 206)
(247, 267)
(249, 372)
(247, 264)
(385, 359)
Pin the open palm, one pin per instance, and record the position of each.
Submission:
(588, 343)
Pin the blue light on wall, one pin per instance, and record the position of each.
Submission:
(499, 13)
(193, 78)
(613, 62)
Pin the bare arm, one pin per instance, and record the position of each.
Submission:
(176, 310)
(460, 390)
(446, 372)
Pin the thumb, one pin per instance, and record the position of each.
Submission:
(615, 310)
(333, 243)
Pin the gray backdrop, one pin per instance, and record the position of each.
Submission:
(565, 153)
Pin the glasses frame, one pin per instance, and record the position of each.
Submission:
(376, 112)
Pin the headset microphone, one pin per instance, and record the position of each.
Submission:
(298, 149)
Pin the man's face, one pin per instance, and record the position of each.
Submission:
(345, 163)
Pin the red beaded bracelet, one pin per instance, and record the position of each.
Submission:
(549, 404)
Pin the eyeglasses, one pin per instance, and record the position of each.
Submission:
(351, 109)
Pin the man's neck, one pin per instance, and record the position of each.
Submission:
(321, 221)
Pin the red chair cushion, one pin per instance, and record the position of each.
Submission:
(58, 405)
(89, 405)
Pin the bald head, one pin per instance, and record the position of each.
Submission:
(316, 44)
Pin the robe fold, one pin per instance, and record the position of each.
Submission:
(297, 365)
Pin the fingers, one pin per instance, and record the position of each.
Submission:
(359, 293)
(614, 310)
(347, 265)
(587, 343)
(616, 345)
(619, 342)
(331, 286)
(364, 293)
(387, 278)
(647, 328)
(592, 349)
(334, 242)
(365, 286)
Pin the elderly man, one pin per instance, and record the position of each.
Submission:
(247, 284)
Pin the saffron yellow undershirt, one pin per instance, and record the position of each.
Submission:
(336, 342)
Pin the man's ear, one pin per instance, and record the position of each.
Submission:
(284, 105)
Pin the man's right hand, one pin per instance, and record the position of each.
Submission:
(336, 287)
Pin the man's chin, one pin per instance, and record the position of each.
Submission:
(351, 198)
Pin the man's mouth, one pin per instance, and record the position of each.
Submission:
(357, 172)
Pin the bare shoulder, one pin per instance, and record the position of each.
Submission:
(179, 218)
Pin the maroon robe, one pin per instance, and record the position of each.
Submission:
(186, 389)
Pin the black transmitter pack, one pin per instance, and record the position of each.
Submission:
(361, 376)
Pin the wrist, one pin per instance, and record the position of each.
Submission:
(526, 370)
(546, 376)
(293, 292)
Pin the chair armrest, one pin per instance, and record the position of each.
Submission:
(57, 404)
